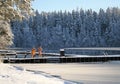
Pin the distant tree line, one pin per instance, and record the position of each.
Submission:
(79, 28)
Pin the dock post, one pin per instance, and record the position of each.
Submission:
(62, 52)
(15, 55)
(25, 54)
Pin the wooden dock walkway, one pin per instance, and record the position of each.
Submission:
(12, 56)
(62, 59)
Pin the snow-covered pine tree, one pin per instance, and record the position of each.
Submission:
(6, 35)
(11, 10)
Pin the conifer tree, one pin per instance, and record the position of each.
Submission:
(11, 10)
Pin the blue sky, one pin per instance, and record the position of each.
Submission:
(57, 5)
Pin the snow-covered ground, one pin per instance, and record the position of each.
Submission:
(87, 73)
(11, 74)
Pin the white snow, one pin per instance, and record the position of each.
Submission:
(17, 75)
(83, 73)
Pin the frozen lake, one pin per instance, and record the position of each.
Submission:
(87, 73)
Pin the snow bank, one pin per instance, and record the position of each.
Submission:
(18, 75)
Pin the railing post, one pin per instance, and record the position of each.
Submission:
(15, 54)
(62, 52)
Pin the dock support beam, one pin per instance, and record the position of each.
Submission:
(62, 52)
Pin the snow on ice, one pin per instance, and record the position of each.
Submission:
(17, 75)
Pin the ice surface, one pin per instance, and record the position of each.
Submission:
(17, 75)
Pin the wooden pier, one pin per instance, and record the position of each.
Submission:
(13, 57)
(62, 59)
